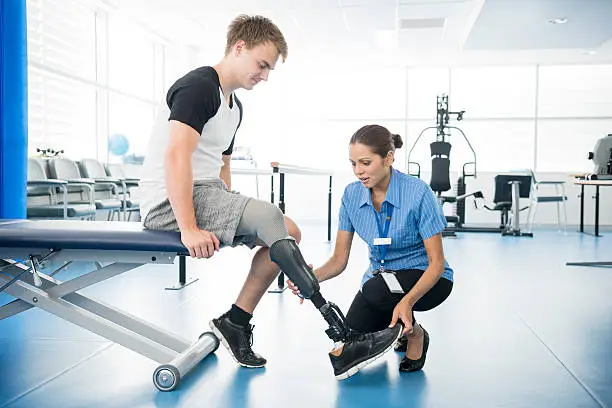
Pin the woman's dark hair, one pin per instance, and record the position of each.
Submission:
(378, 138)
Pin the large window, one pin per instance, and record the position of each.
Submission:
(61, 36)
(575, 91)
(500, 145)
(61, 74)
(424, 85)
(130, 122)
(575, 107)
(95, 78)
(131, 59)
(564, 144)
(494, 92)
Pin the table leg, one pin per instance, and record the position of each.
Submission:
(596, 211)
(582, 208)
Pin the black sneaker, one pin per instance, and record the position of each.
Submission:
(362, 350)
(237, 340)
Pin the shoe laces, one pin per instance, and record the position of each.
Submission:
(249, 331)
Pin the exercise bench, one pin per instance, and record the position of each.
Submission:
(120, 247)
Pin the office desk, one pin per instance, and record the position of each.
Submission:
(597, 184)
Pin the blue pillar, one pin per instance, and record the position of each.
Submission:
(13, 108)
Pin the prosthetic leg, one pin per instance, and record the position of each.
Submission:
(286, 254)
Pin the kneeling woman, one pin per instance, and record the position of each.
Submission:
(399, 218)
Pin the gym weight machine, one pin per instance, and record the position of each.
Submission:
(440, 177)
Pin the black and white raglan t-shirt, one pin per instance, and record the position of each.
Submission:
(196, 100)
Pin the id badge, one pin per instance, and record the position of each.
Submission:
(392, 282)
(382, 241)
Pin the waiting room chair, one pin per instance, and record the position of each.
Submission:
(104, 193)
(128, 184)
(92, 168)
(49, 198)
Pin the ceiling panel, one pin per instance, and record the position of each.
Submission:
(514, 25)
(482, 30)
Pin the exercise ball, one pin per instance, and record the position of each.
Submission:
(118, 144)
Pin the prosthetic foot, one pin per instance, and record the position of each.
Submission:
(358, 350)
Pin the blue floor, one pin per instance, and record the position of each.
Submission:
(521, 329)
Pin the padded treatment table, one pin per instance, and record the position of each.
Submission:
(120, 247)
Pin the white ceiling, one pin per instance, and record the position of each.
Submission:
(410, 32)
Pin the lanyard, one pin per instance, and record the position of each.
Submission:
(383, 233)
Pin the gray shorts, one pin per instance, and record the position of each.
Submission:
(216, 210)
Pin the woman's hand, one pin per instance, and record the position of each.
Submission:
(403, 312)
(295, 289)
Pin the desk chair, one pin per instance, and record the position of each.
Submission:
(541, 192)
(506, 204)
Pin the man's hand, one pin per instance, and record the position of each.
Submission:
(403, 312)
(200, 243)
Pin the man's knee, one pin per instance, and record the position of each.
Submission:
(293, 229)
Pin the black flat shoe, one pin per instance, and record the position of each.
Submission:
(401, 344)
(407, 365)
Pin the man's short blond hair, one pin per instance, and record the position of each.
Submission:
(255, 30)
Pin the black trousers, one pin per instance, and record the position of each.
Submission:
(372, 308)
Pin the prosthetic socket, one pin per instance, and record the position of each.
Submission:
(286, 254)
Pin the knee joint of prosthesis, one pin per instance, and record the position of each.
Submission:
(286, 254)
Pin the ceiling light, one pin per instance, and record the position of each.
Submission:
(558, 20)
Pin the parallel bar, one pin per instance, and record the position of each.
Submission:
(281, 193)
(290, 169)
(329, 206)
(594, 263)
(281, 205)
(253, 172)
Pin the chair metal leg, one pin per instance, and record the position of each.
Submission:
(533, 215)
(528, 221)
(564, 207)
(565, 215)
